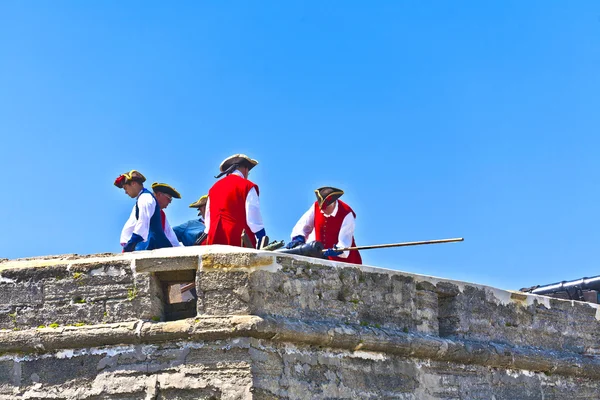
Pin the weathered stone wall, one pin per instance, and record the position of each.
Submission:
(272, 326)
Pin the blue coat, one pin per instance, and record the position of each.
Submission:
(188, 232)
(156, 235)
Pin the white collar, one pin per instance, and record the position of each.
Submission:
(238, 173)
(333, 213)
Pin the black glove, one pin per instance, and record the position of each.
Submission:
(296, 241)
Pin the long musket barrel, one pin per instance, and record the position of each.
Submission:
(382, 246)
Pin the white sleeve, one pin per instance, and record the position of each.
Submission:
(128, 227)
(346, 234)
(207, 215)
(253, 217)
(146, 205)
(305, 225)
(170, 234)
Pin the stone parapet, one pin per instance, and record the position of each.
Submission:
(285, 327)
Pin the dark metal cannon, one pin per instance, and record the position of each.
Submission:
(584, 289)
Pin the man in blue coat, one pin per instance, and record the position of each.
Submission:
(189, 232)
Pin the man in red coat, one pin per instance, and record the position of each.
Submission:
(233, 205)
(332, 221)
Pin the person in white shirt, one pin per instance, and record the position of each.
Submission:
(143, 230)
(331, 222)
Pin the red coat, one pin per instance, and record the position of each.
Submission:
(327, 231)
(228, 211)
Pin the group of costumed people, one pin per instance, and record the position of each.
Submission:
(231, 208)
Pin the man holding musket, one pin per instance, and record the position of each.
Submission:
(332, 222)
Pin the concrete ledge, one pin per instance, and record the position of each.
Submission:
(345, 337)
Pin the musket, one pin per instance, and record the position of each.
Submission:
(402, 244)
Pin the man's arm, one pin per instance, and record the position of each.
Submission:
(253, 216)
(146, 206)
(346, 234)
(128, 228)
(305, 224)
(207, 215)
(170, 234)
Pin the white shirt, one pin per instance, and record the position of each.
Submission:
(253, 216)
(306, 225)
(141, 225)
(170, 234)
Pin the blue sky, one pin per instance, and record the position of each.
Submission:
(438, 119)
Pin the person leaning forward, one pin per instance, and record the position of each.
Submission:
(233, 204)
(164, 195)
(333, 223)
(143, 230)
(189, 232)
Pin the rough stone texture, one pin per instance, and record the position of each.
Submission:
(273, 326)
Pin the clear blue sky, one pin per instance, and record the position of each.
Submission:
(439, 119)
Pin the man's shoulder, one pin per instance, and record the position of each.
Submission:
(345, 207)
(146, 197)
(233, 181)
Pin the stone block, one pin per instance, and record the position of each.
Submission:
(6, 372)
(172, 263)
(22, 293)
(57, 371)
(36, 274)
(236, 259)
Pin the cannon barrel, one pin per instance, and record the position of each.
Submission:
(312, 249)
(592, 283)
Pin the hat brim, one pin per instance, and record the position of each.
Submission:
(164, 188)
(128, 177)
(238, 159)
(201, 202)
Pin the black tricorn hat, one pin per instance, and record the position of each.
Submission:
(327, 195)
(130, 176)
(164, 188)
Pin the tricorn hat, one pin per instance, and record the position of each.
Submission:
(201, 202)
(228, 165)
(327, 195)
(130, 176)
(164, 188)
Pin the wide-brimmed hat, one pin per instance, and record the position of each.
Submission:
(164, 188)
(130, 176)
(327, 195)
(239, 159)
(200, 202)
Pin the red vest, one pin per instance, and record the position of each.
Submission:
(327, 231)
(228, 211)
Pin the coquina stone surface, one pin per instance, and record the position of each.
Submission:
(275, 326)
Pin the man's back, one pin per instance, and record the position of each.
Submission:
(227, 210)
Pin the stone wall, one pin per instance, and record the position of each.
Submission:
(274, 326)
